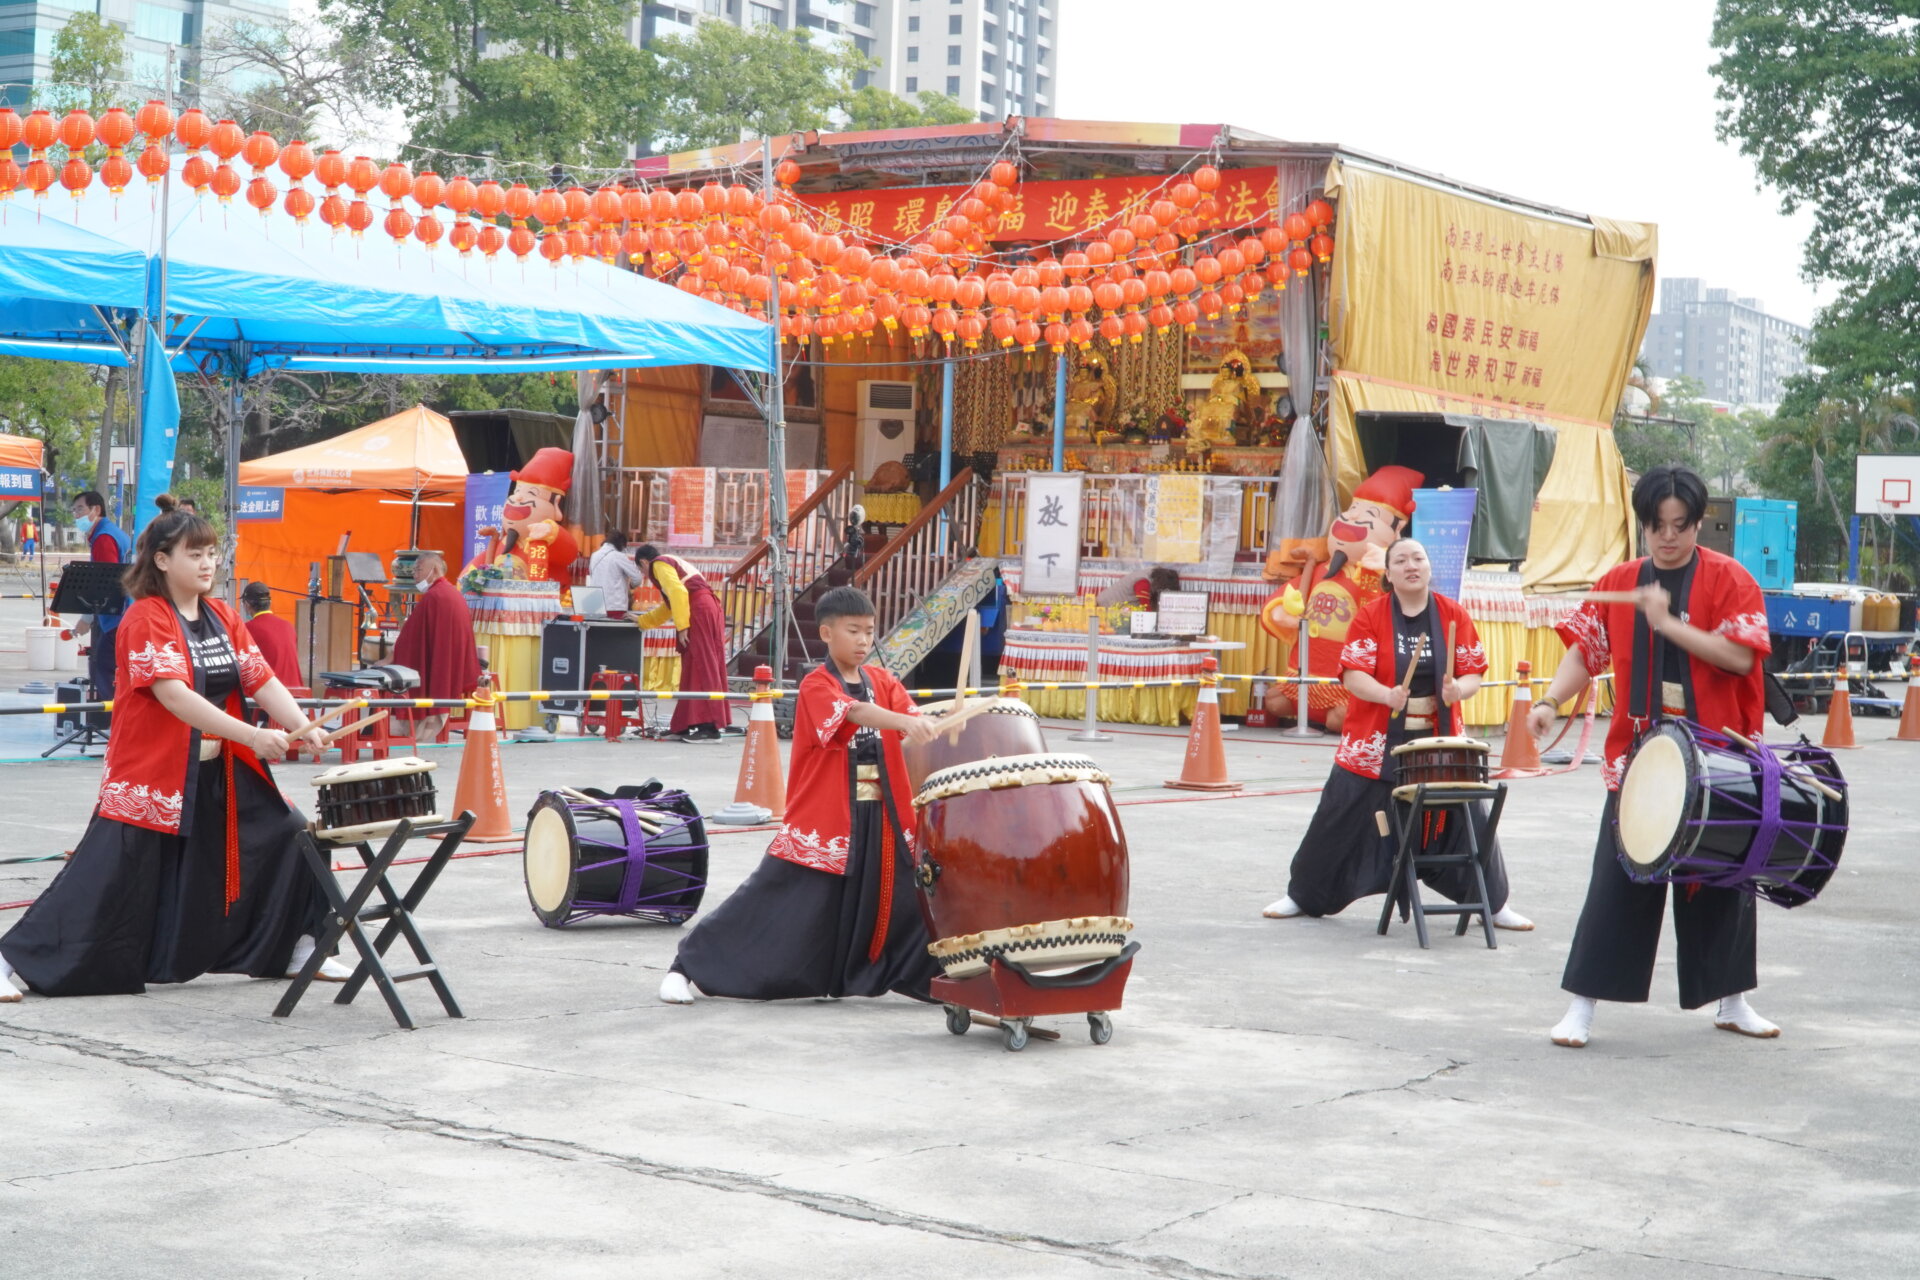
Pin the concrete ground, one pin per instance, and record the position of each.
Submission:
(1297, 1098)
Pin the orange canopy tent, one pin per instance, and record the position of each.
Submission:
(392, 484)
(21, 451)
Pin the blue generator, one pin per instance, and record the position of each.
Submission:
(1765, 531)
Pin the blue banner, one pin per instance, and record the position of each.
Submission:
(18, 482)
(1807, 615)
(257, 503)
(486, 494)
(159, 432)
(1443, 521)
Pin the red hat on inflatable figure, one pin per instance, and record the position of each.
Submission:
(550, 468)
(1391, 487)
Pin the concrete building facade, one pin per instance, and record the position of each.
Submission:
(996, 57)
(153, 27)
(1730, 345)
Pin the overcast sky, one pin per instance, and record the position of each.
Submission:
(1605, 109)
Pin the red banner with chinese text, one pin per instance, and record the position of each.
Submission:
(1042, 210)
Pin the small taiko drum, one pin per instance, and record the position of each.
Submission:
(1006, 728)
(1440, 762)
(1699, 806)
(1022, 859)
(360, 801)
(639, 852)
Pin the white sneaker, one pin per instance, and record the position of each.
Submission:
(1735, 1014)
(1574, 1030)
(1508, 918)
(1285, 909)
(332, 969)
(675, 989)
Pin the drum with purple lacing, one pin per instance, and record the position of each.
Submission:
(1700, 806)
(639, 852)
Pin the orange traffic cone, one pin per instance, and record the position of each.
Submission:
(1910, 709)
(1519, 755)
(762, 783)
(1839, 734)
(482, 789)
(1206, 765)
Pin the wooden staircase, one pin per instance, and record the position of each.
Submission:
(815, 564)
(913, 579)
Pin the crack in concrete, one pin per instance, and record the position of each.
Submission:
(1743, 1133)
(382, 1113)
(1535, 1270)
(148, 1164)
(1452, 1066)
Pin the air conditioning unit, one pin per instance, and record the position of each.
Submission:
(885, 426)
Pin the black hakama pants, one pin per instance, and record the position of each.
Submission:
(791, 932)
(1343, 857)
(1619, 933)
(135, 906)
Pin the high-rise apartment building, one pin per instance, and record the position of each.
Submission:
(1738, 352)
(997, 57)
(153, 27)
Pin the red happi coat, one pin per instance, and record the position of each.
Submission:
(819, 821)
(1723, 599)
(1369, 648)
(152, 754)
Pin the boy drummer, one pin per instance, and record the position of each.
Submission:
(831, 909)
(1693, 644)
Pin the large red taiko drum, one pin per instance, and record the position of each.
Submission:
(1006, 728)
(1023, 859)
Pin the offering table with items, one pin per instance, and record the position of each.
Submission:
(1035, 657)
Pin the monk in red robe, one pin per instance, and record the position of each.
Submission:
(274, 635)
(437, 641)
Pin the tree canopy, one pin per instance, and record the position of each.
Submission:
(88, 64)
(724, 83)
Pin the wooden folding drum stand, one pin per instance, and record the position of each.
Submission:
(1412, 808)
(349, 915)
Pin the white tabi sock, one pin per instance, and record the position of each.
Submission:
(1735, 1014)
(9, 993)
(331, 969)
(1576, 1028)
(1508, 918)
(1285, 909)
(675, 989)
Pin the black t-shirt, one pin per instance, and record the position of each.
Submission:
(1673, 669)
(866, 739)
(1407, 633)
(213, 654)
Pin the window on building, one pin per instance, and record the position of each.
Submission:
(987, 61)
(913, 84)
(1040, 86)
(863, 15)
(913, 22)
(954, 24)
(953, 55)
(986, 92)
(990, 35)
(1044, 24)
(759, 15)
(155, 22)
(864, 44)
(913, 53)
(1040, 55)
(716, 7)
(953, 86)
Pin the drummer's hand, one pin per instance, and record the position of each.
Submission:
(1540, 720)
(1654, 601)
(1397, 697)
(269, 744)
(920, 729)
(1450, 690)
(313, 735)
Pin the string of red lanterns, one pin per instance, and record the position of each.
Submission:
(1165, 265)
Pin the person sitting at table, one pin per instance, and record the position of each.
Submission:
(273, 634)
(437, 642)
(613, 571)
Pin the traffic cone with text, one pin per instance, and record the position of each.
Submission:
(1839, 734)
(762, 786)
(482, 789)
(1206, 764)
(1910, 709)
(1519, 755)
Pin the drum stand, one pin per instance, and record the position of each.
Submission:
(1011, 998)
(1411, 809)
(348, 916)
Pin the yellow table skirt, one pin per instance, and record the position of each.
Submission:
(1507, 643)
(1117, 706)
(515, 664)
(891, 508)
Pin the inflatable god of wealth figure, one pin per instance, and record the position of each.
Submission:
(1326, 598)
(535, 544)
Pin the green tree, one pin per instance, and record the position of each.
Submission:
(57, 403)
(89, 60)
(875, 108)
(724, 84)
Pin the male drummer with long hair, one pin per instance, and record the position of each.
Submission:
(1692, 644)
(1401, 689)
(832, 909)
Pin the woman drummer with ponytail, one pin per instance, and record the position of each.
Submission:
(189, 865)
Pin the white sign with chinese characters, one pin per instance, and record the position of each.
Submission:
(1050, 565)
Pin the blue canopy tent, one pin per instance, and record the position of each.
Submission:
(229, 293)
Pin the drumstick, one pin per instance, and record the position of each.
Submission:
(357, 702)
(355, 727)
(1450, 630)
(1603, 597)
(950, 724)
(1805, 775)
(970, 641)
(1406, 681)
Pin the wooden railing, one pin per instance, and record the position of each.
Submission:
(1113, 513)
(814, 538)
(920, 556)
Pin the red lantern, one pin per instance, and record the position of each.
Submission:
(1233, 295)
(972, 327)
(261, 194)
(1274, 241)
(153, 161)
(116, 171)
(363, 175)
(492, 239)
(155, 120)
(1049, 273)
(398, 223)
(660, 205)
(194, 129)
(786, 173)
(1302, 261)
(76, 131)
(1158, 283)
(10, 129)
(519, 206)
(39, 131)
(197, 172)
(713, 198)
(1079, 299)
(1057, 336)
(1135, 325)
(1321, 247)
(460, 196)
(1207, 269)
(1186, 315)
(296, 160)
(1026, 333)
(76, 173)
(330, 169)
(1133, 292)
(38, 177)
(226, 139)
(1112, 328)
(576, 202)
(489, 199)
(774, 219)
(742, 202)
(429, 189)
(1297, 227)
(463, 236)
(1185, 195)
(1163, 212)
(1232, 261)
(1121, 241)
(226, 183)
(1252, 251)
(299, 204)
(1003, 327)
(688, 206)
(1207, 178)
(396, 183)
(1276, 274)
(943, 288)
(1165, 244)
(1107, 295)
(1211, 304)
(333, 212)
(1255, 284)
(1143, 226)
(1184, 280)
(1099, 253)
(260, 150)
(1004, 173)
(634, 205)
(428, 230)
(1080, 333)
(607, 206)
(1320, 213)
(115, 129)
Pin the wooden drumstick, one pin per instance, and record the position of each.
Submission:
(1380, 821)
(969, 644)
(1406, 681)
(355, 727)
(357, 702)
(951, 723)
(1797, 770)
(1450, 631)
(1604, 597)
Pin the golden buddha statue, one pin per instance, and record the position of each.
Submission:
(1092, 395)
(1234, 399)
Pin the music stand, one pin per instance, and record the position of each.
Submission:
(89, 587)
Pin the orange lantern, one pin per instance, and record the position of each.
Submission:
(607, 206)
(38, 177)
(1112, 328)
(299, 204)
(1255, 284)
(460, 196)
(1184, 280)
(115, 129)
(1026, 333)
(398, 223)
(1049, 273)
(660, 205)
(1099, 253)
(193, 130)
(1079, 298)
(226, 139)
(396, 183)
(1297, 227)
(688, 206)
(786, 173)
(1135, 325)
(428, 230)
(296, 160)
(489, 199)
(1158, 283)
(519, 206)
(333, 212)
(39, 131)
(1321, 247)
(226, 183)
(363, 175)
(155, 120)
(1080, 333)
(553, 247)
(1186, 314)
(261, 194)
(1274, 241)
(260, 150)
(1320, 213)
(76, 173)
(1185, 195)
(116, 171)
(330, 169)
(1207, 178)
(1133, 292)
(971, 328)
(1003, 327)
(1276, 273)
(492, 239)
(10, 129)
(576, 202)
(1163, 212)
(76, 131)
(1302, 261)
(1207, 269)
(1232, 261)
(1004, 173)
(197, 172)
(1057, 336)
(1143, 226)
(634, 205)
(1107, 296)
(1121, 241)
(359, 217)
(153, 161)
(463, 236)
(1252, 252)
(429, 189)
(1232, 295)
(1166, 244)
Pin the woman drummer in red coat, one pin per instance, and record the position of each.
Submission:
(189, 865)
(1343, 856)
